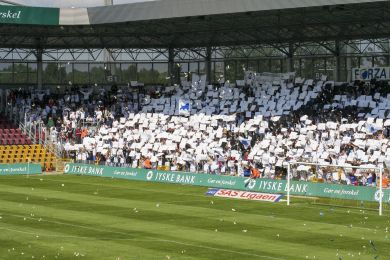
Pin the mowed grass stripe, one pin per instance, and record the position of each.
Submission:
(109, 183)
(173, 233)
(65, 247)
(151, 247)
(288, 232)
(196, 222)
(159, 229)
(224, 204)
(142, 188)
(115, 205)
(118, 188)
(120, 237)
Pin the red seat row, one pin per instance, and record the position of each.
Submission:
(10, 130)
(9, 136)
(14, 141)
(7, 126)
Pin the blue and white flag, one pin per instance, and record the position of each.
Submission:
(184, 107)
(245, 142)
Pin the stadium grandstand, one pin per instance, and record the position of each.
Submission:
(253, 99)
(265, 82)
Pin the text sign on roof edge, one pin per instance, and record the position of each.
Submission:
(367, 74)
(29, 15)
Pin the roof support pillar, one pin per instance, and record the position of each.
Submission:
(38, 55)
(349, 63)
(337, 71)
(171, 66)
(290, 57)
(208, 65)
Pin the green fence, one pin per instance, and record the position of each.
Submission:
(229, 182)
(29, 15)
(20, 168)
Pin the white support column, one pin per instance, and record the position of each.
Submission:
(380, 192)
(288, 183)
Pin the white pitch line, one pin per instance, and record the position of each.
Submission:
(152, 239)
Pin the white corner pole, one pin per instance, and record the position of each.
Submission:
(288, 184)
(380, 192)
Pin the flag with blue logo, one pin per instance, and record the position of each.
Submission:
(184, 107)
(245, 142)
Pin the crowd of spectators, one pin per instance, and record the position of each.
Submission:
(229, 128)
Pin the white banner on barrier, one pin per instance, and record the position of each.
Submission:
(244, 195)
(367, 74)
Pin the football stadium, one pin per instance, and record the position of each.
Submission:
(195, 129)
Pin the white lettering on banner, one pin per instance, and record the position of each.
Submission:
(92, 170)
(19, 169)
(245, 195)
(172, 177)
(221, 182)
(95, 171)
(125, 173)
(341, 191)
(378, 196)
(278, 187)
(380, 73)
(10, 15)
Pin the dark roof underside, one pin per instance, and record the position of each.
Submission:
(331, 22)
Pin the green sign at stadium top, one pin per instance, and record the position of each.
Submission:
(29, 15)
(326, 190)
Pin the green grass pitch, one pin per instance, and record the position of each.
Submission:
(78, 217)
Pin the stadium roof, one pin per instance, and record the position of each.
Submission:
(193, 23)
